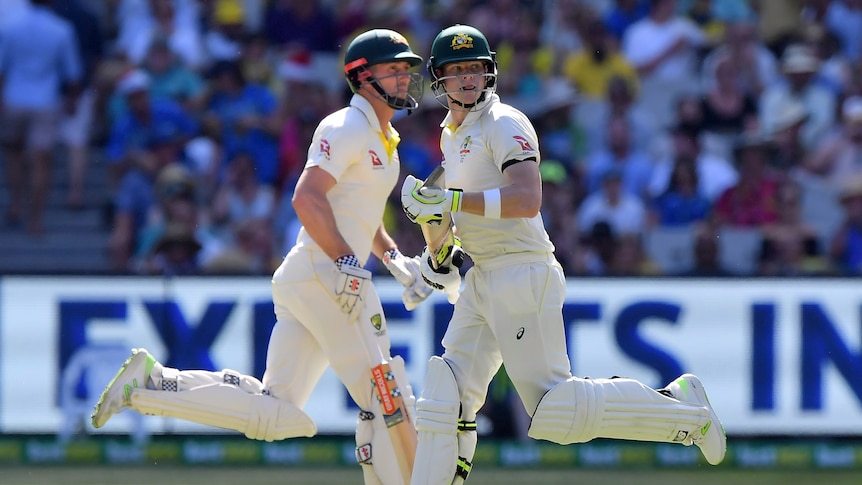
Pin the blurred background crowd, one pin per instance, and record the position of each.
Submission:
(679, 137)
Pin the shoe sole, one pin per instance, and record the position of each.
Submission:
(94, 417)
(700, 392)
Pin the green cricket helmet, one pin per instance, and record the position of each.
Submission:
(376, 47)
(460, 43)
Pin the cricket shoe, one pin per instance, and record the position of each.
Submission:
(134, 373)
(710, 438)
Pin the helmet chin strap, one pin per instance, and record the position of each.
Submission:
(468, 106)
(394, 102)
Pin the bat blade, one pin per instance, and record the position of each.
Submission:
(386, 388)
(401, 430)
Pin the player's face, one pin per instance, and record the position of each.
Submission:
(393, 77)
(464, 81)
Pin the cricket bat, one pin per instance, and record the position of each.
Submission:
(440, 238)
(387, 389)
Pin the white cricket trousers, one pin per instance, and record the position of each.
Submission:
(311, 332)
(512, 315)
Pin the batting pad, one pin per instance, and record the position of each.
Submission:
(258, 416)
(578, 410)
(437, 422)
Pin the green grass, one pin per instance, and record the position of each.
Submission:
(200, 475)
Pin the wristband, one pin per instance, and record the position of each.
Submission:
(389, 255)
(493, 203)
(347, 260)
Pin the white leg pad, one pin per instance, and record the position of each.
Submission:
(437, 414)
(578, 410)
(375, 451)
(258, 416)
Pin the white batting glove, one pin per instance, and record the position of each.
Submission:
(426, 205)
(351, 284)
(446, 278)
(406, 271)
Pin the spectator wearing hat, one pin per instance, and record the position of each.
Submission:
(800, 65)
(175, 253)
(39, 62)
(176, 204)
(789, 120)
(846, 248)
(147, 119)
(136, 197)
(752, 201)
(167, 79)
(840, 157)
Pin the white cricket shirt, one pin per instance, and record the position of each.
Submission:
(351, 146)
(474, 155)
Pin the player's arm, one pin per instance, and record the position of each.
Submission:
(521, 198)
(315, 213)
(382, 242)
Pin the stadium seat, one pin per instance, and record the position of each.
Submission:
(671, 248)
(739, 249)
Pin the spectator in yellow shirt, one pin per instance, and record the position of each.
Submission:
(597, 63)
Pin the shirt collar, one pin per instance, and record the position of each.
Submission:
(363, 105)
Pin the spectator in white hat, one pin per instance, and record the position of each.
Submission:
(799, 66)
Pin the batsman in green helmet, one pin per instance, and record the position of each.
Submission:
(508, 310)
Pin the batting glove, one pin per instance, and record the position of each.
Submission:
(406, 271)
(426, 205)
(351, 284)
(446, 278)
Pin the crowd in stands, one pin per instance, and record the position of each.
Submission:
(679, 137)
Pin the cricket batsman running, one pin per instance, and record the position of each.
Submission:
(510, 308)
(328, 312)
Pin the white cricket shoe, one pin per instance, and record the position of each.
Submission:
(710, 438)
(134, 373)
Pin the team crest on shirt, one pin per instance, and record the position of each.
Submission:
(377, 323)
(324, 148)
(462, 41)
(525, 145)
(375, 160)
(465, 147)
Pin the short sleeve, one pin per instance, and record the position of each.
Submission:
(335, 147)
(513, 138)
